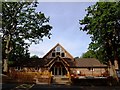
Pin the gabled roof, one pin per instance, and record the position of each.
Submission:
(88, 62)
(40, 62)
(29, 62)
(67, 53)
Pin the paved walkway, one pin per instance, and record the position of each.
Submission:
(64, 87)
(55, 87)
(8, 86)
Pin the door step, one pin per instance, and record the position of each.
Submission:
(61, 80)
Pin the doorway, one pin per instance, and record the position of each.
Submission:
(58, 69)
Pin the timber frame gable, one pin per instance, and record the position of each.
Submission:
(58, 50)
(57, 59)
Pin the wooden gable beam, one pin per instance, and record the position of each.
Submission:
(55, 59)
(68, 54)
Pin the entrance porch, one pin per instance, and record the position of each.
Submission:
(60, 74)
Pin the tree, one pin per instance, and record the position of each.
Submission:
(95, 54)
(102, 22)
(21, 23)
(89, 54)
(0, 15)
(34, 56)
(76, 57)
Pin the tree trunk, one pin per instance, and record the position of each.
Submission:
(113, 71)
(116, 68)
(116, 64)
(7, 52)
(5, 65)
(116, 58)
(119, 63)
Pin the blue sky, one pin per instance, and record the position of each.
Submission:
(64, 18)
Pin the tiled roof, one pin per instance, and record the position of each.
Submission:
(30, 62)
(70, 62)
(88, 62)
(40, 62)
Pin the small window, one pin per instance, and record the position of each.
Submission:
(91, 69)
(18, 68)
(58, 49)
(58, 53)
(53, 54)
(62, 55)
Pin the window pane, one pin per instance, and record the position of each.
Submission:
(53, 54)
(59, 70)
(58, 53)
(55, 70)
(62, 55)
(58, 49)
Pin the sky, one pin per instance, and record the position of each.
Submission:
(64, 18)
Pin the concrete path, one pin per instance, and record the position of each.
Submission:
(9, 86)
(55, 87)
(64, 87)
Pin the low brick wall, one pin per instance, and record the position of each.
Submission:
(31, 77)
(96, 82)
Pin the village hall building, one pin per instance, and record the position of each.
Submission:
(60, 64)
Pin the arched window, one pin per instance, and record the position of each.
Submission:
(58, 49)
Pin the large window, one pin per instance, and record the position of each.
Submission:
(58, 69)
(58, 52)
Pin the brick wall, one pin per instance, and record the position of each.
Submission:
(89, 71)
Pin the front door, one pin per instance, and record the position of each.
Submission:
(58, 69)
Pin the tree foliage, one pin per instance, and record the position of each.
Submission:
(89, 54)
(34, 56)
(102, 22)
(21, 23)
